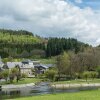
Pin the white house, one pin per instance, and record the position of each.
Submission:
(1, 63)
(26, 67)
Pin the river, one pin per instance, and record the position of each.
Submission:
(39, 89)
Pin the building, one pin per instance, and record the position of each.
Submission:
(1, 63)
(13, 64)
(26, 67)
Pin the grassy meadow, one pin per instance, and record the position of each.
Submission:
(23, 81)
(78, 81)
(83, 95)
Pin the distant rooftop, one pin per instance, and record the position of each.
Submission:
(13, 64)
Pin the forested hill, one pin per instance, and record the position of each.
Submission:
(56, 46)
(21, 36)
(23, 44)
(14, 32)
(18, 43)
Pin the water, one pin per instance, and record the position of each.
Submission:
(39, 89)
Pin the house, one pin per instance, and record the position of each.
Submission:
(39, 69)
(13, 64)
(29, 62)
(26, 67)
(36, 62)
(1, 69)
(1, 63)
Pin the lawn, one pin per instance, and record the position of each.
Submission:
(78, 81)
(83, 95)
(23, 81)
(28, 80)
(51, 60)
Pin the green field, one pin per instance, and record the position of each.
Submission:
(84, 95)
(78, 81)
(51, 60)
(23, 81)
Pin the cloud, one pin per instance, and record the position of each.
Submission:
(51, 18)
(78, 1)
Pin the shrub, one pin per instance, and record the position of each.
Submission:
(50, 74)
(86, 75)
(93, 74)
(23, 75)
(98, 70)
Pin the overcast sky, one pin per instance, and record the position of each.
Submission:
(63, 18)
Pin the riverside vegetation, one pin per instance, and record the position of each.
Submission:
(24, 44)
(84, 95)
(72, 60)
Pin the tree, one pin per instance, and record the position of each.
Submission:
(93, 74)
(77, 75)
(86, 75)
(98, 70)
(5, 74)
(63, 64)
(50, 74)
(33, 71)
(23, 75)
(56, 46)
(25, 54)
(18, 73)
(14, 73)
(1, 75)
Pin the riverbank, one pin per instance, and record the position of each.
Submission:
(82, 85)
(83, 95)
(12, 86)
(22, 81)
(79, 83)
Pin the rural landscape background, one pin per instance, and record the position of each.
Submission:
(50, 49)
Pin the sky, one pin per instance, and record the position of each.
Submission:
(78, 19)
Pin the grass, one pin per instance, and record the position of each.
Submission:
(83, 95)
(23, 81)
(78, 81)
(48, 60)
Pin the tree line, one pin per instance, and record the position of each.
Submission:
(83, 64)
(16, 32)
(19, 44)
(12, 74)
(24, 44)
(76, 66)
(56, 46)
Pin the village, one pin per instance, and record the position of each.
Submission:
(26, 68)
(49, 49)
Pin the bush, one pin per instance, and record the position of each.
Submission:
(1, 75)
(93, 74)
(86, 75)
(98, 70)
(24, 75)
(50, 74)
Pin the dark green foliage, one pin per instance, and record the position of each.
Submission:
(18, 43)
(22, 44)
(50, 74)
(56, 46)
(14, 32)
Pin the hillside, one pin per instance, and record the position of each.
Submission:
(24, 44)
(18, 43)
(20, 37)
